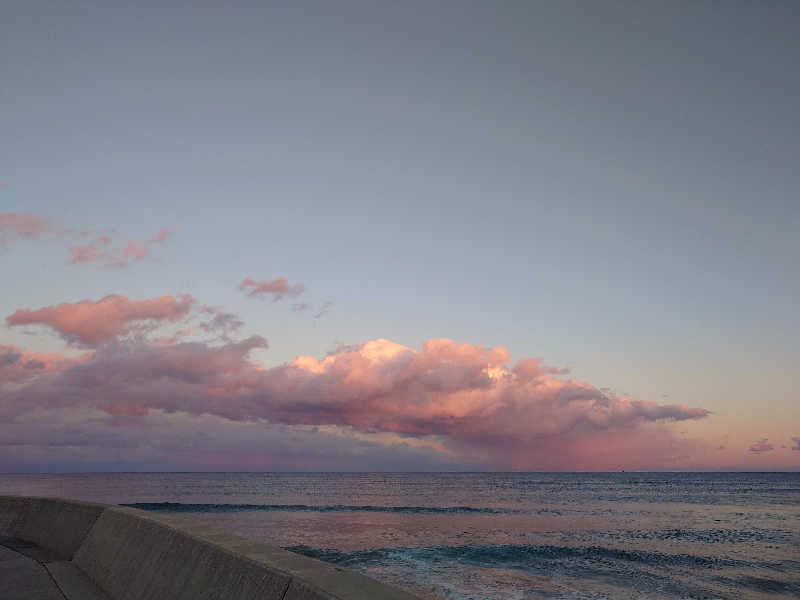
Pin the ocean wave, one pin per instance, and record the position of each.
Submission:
(619, 572)
(178, 507)
(709, 536)
(764, 585)
(515, 556)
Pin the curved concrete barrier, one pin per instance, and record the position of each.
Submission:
(60, 526)
(134, 555)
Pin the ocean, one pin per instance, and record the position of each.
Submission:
(499, 536)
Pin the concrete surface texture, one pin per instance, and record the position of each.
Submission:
(62, 549)
(22, 578)
(30, 572)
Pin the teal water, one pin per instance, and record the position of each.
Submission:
(497, 536)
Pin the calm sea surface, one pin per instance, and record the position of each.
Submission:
(497, 535)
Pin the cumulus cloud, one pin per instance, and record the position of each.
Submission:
(91, 322)
(468, 399)
(18, 366)
(81, 439)
(277, 288)
(761, 445)
(174, 338)
(8, 356)
(120, 376)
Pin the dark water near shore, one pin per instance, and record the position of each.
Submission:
(497, 536)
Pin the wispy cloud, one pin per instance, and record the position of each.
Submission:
(760, 446)
(99, 250)
(23, 225)
(161, 236)
(277, 288)
(220, 323)
(324, 310)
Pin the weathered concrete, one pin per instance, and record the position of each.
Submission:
(74, 583)
(310, 578)
(134, 556)
(127, 554)
(23, 578)
(58, 526)
(36, 535)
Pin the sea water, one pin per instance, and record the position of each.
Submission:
(496, 536)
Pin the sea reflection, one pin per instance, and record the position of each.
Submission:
(497, 536)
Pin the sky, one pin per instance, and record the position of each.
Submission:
(257, 236)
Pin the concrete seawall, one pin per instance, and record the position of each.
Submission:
(99, 551)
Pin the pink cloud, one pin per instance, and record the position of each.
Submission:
(468, 399)
(28, 226)
(277, 288)
(95, 251)
(175, 338)
(23, 225)
(462, 391)
(135, 251)
(760, 446)
(98, 251)
(161, 236)
(130, 378)
(91, 323)
(85, 254)
(18, 365)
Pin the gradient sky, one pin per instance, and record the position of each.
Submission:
(609, 187)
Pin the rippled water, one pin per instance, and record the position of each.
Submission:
(497, 535)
